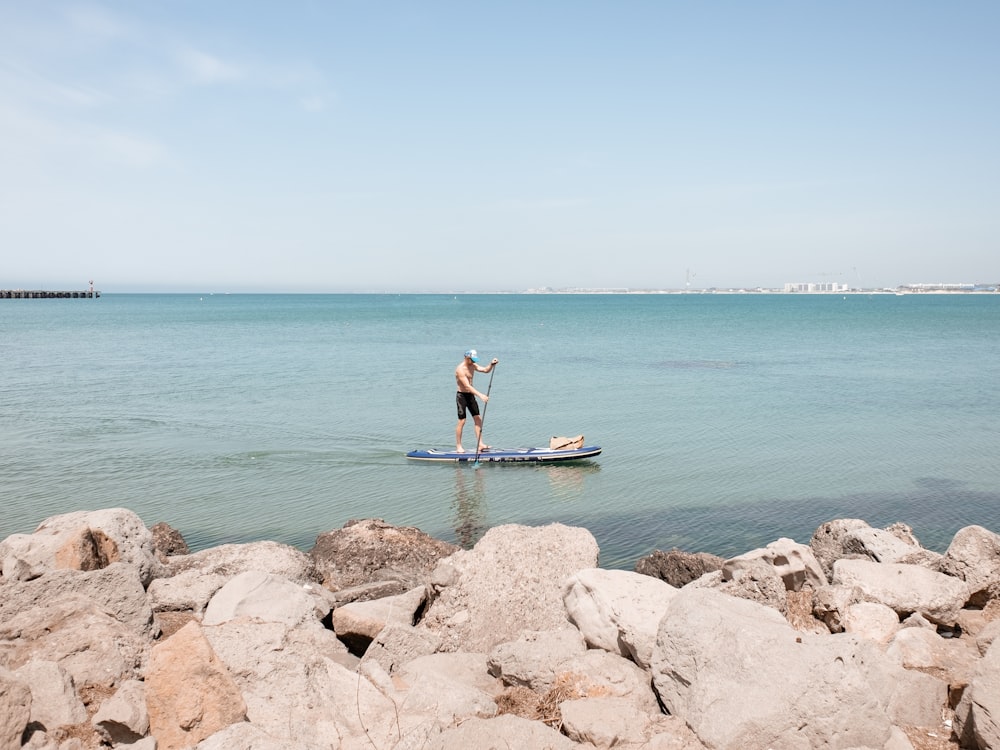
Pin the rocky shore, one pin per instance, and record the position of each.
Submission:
(113, 634)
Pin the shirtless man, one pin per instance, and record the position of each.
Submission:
(465, 399)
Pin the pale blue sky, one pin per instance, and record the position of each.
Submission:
(465, 146)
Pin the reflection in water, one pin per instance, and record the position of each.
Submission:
(568, 479)
(470, 506)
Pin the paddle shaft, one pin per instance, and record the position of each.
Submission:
(482, 420)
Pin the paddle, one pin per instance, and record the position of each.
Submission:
(482, 424)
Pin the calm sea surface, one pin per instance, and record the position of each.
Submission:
(727, 421)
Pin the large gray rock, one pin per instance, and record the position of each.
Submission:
(952, 660)
(15, 709)
(268, 597)
(828, 543)
(188, 582)
(501, 733)
(871, 620)
(535, 658)
(245, 736)
(116, 590)
(296, 689)
(742, 677)
(54, 700)
(449, 687)
(509, 583)
(977, 717)
(877, 545)
(794, 563)
(75, 631)
(905, 588)
(396, 644)
(358, 623)
(756, 580)
(974, 557)
(371, 550)
(617, 610)
(543, 661)
(123, 718)
(604, 722)
(831, 603)
(84, 540)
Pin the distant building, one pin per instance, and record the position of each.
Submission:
(813, 288)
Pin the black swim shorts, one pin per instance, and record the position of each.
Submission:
(466, 401)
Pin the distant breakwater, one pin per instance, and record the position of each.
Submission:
(45, 294)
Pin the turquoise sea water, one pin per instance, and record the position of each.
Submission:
(727, 421)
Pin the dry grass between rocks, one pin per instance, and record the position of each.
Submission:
(528, 704)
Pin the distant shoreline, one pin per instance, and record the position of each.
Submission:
(583, 292)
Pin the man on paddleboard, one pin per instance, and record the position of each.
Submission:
(465, 399)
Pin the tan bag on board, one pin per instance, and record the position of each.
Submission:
(566, 443)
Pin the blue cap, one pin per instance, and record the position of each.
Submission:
(473, 355)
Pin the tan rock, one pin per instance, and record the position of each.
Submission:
(15, 709)
(509, 583)
(190, 694)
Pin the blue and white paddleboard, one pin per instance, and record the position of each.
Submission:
(508, 455)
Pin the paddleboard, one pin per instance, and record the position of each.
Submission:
(507, 455)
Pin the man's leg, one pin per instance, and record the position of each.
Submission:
(479, 431)
(458, 436)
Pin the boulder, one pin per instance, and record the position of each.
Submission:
(676, 567)
(190, 695)
(827, 541)
(974, 557)
(977, 717)
(371, 550)
(617, 610)
(167, 541)
(671, 733)
(755, 580)
(500, 733)
(952, 660)
(470, 669)
(75, 632)
(266, 597)
(509, 583)
(358, 623)
(115, 590)
(397, 644)
(15, 709)
(449, 687)
(244, 736)
(123, 718)
(905, 588)
(549, 662)
(84, 541)
(54, 700)
(794, 563)
(871, 620)
(830, 605)
(985, 638)
(535, 658)
(877, 545)
(719, 657)
(188, 582)
(297, 689)
(603, 722)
